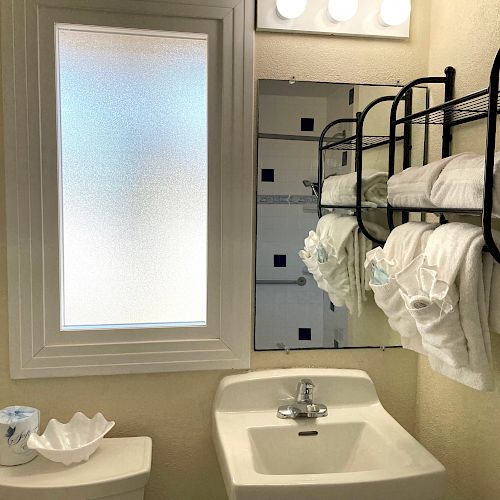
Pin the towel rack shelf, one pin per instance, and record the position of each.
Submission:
(453, 112)
(350, 143)
(437, 210)
(354, 207)
(359, 142)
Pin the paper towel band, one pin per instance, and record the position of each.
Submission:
(16, 413)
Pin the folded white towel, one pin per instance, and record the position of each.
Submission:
(412, 187)
(341, 189)
(494, 292)
(433, 305)
(495, 299)
(312, 255)
(403, 245)
(446, 292)
(337, 234)
(334, 255)
(461, 183)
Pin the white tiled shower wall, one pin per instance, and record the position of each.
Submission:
(282, 228)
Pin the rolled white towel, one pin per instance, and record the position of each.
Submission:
(328, 255)
(461, 183)
(446, 293)
(312, 254)
(493, 293)
(495, 300)
(404, 243)
(335, 253)
(412, 187)
(433, 306)
(341, 189)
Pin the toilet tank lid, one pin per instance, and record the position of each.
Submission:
(116, 460)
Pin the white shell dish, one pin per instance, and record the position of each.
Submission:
(72, 442)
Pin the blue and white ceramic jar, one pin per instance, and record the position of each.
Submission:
(16, 425)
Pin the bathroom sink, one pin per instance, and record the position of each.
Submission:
(357, 447)
(356, 452)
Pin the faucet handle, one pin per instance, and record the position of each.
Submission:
(305, 390)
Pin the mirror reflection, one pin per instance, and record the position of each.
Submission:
(292, 312)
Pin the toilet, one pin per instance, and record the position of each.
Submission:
(118, 470)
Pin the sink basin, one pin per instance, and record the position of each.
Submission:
(356, 447)
(357, 452)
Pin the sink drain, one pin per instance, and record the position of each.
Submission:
(308, 433)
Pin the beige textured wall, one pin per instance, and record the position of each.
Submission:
(346, 59)
(184, 462)
(457, 424)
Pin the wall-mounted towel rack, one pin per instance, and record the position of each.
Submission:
(453, 112)
(358, 143)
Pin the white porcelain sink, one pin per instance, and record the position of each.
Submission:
(357, 452)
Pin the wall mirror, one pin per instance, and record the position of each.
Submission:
(291, 311)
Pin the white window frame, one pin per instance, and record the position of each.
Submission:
(38, 346)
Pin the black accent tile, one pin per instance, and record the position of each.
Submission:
(307, 124)
(344, 158)
(351, 97)
(267, 175)
(304, 334)
(280, 261)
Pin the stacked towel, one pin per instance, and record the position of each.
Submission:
(412, 187)
(404, 244)
(341, 189)
(461, 183)
(453, 182)
(334, 254)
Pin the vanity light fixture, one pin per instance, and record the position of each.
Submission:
(394, 12)
(371, 18)
(290, 9)
(342, 10)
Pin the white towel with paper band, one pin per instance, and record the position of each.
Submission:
(433, 304)
(341, 189)
(334, 254)
(403, 244)
(446, 291)
(461, 183)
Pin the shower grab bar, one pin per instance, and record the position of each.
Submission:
(301, 281)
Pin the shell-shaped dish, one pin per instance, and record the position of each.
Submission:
(72, 442)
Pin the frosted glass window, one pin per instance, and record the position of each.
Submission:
(133, 177)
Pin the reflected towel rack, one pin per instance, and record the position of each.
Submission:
(358, 143)
(301, 281)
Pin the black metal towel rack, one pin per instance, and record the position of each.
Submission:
(358, 143)
(453, 112)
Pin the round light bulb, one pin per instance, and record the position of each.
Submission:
(394, 12)
(290, 9)
(342, 10)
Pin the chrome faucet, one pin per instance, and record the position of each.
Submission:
(304, 406)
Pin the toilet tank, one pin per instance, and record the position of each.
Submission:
(118, 470)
